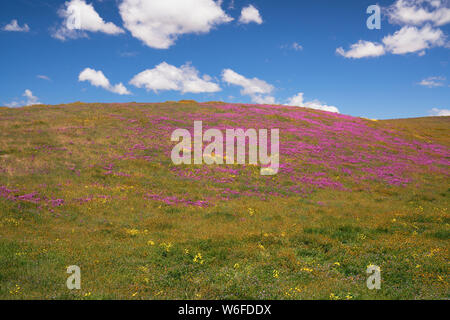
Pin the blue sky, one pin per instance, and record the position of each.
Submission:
(285, 52)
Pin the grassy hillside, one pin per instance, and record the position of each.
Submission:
(93, 185)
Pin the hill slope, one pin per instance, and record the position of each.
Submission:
(93, 185)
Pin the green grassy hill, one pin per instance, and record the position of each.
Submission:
(93, 185)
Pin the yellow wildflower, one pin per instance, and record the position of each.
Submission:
(15, 290)
(132, 232)
(144, 269)
(198, 258)
(334, 297)
(167, 246)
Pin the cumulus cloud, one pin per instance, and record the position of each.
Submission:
(249, 86)
(260, 92)
(14, 26)
(417, 34)
(250, 14)
(418, 12)
(435, 112)
(159, 23)
(411, 39)
(263, 99)
(257, 89)
(362, 49)
(408, 39)
(98, 79)
(168, 77)
(79, 17)
(431, 82)
(298, 100)
(30, 100)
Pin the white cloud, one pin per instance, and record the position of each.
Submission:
(168, 77)
(250, 14)
(79, 17)
(159, 23)
(431, 82)
(298, 101)
(435, 112)
(257, 89)
(14, 26)
(249, 86)
(128, 54)
(98, 79)
(411, 39)
(362, 49)
(418, 12)
(13, 104)
(297, 47)
(30, 100)
(406, 40)
(43, 77)
(294, 46)
(260, 92)
(263, 99)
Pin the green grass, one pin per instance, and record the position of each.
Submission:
(315, 245)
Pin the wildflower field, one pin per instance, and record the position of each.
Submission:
(93, 185)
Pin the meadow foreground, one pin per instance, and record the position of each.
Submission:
(93, 185)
